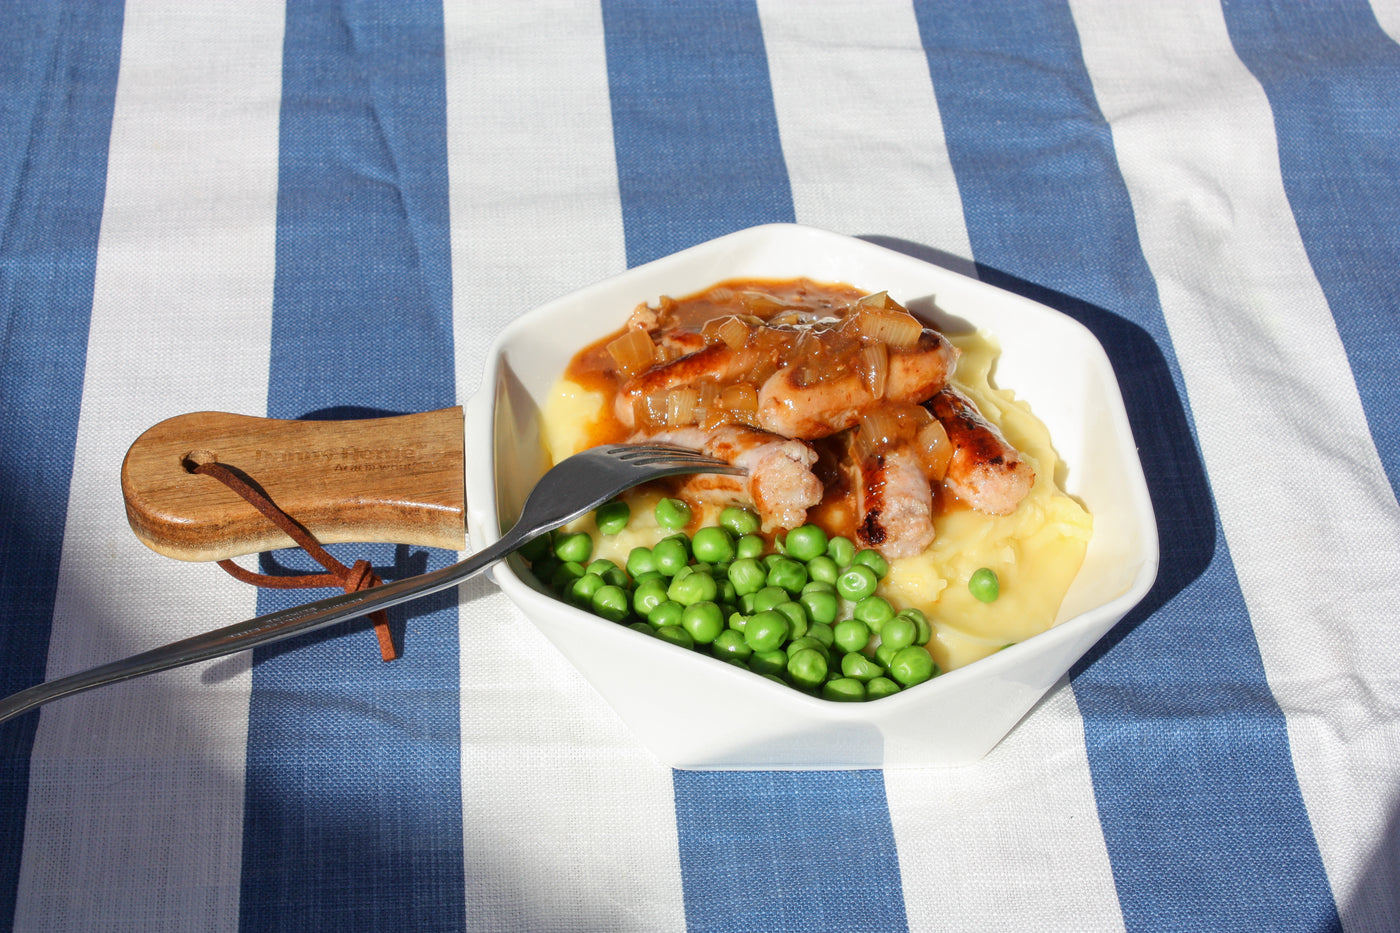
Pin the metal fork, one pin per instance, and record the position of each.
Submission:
(569, 490)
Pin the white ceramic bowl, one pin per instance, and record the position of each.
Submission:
(693, 711)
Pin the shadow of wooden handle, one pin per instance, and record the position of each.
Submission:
(397, 479)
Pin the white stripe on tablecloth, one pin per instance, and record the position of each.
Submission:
(533, 180)
(864, 147)
(1025, 841)
(136, 797)
(1388, 16)
(568, 823)
(1291, 461)
(1015, 835)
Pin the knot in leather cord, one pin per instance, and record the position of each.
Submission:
(360, 577)
(351, 579)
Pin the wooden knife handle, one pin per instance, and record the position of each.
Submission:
(396, 479)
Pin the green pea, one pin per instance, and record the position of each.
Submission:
(750, 546)
(806, 542)
(766, 631)
(806, 641)
(851, 635)
(665, 613)
(671, 554)
(609, 571)
(913, 665)
(737, 621)
(601, 567)
(713, 543)
(675, 635)
(807, 668)
(746, 601)
(880, 687)
(898, 632)
(884, 654)
(747, 575)
(925, 631)
(565, 575)
(841, 550)
(740, 521)
(613, 516)
(822, 632)
(730, 644)
(642, 627)
(768, 597)
(874, 560)
(727, 594)
(854, 664)
(820, 606)
(576, 546)
(796, 616)
(651, 576)
(844, 690)
(857, 582)
(546, 567)
(984, 585)
(704, 622)
(788, 574)
(610, 602)
(822, 569)
(692, 588)
(672, 513)
(874, 611)
(647, 596)
(536, 548)
(640, 560)
(769, 662)
(581, 590)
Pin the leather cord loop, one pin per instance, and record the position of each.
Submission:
(351, 579)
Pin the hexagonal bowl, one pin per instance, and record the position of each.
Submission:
(693, 711)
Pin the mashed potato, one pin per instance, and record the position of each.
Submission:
(1036, 550)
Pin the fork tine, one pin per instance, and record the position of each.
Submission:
(659, 452)
(670, 457)
(669, 449)
(652, 447)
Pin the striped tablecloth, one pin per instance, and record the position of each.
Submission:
(321, 206)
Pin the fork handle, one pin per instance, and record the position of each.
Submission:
(398, 479)
(262, 630)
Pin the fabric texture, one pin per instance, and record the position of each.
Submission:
(318, 210)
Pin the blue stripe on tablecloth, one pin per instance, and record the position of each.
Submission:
(1186, 745)
(759, 851)
(58, 78)
(353, 818)
(1338, 129)
(694, 127)
(788, 850)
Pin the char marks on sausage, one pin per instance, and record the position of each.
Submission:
(894, 506)
(985, 471)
